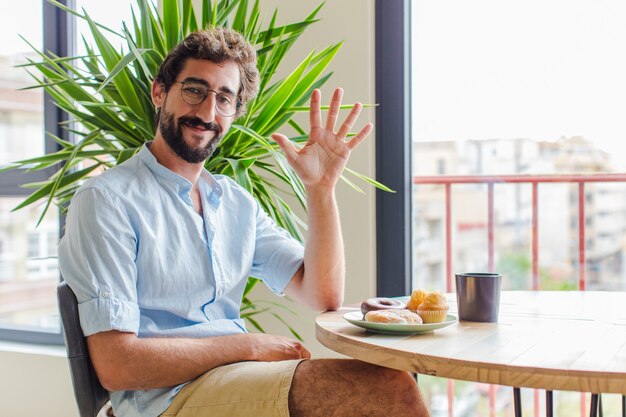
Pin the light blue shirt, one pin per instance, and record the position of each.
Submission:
(141, 260)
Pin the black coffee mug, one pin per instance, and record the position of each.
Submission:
(478, 296)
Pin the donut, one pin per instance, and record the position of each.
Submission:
(384, 316)
(380, 303)
(408, 315)
(393, 316)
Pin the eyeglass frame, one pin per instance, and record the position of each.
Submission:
(217, 94)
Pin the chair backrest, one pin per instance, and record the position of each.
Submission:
(90, 395)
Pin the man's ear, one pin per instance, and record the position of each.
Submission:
(158, 93)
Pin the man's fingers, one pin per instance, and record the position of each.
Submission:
(315, 114)
(304, 353)
(295, 350)
(354, 142)
(285, 144)
(349, 122)
(333, 110)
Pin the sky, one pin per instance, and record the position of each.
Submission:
(486, 69)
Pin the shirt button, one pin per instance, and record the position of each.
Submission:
(105, 294)
(220, 291)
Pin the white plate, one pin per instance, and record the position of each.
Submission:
(356, 318)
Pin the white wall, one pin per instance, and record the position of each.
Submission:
(37, 383)
(351, 21)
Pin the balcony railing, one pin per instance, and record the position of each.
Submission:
(490, 180)
(534, 180)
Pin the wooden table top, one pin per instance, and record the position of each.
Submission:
(552, 340)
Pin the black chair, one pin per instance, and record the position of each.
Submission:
(90, 395)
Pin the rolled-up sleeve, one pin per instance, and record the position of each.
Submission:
(277, 255)
(97, 259)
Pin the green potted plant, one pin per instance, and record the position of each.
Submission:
(107, 96)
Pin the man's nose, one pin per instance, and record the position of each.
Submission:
(206, 109)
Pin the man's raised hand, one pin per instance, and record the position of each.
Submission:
(320, 162)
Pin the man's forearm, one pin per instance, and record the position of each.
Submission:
(319, 165)
(324, 264)
(125, 362)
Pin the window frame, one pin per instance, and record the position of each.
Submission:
(58, 38)
(393, 147)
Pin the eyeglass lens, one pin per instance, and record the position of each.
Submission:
(194, 94)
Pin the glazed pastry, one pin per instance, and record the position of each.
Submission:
(380, 303)
(411, 317)
(434, 307)
(384, 316)
(393, 316)
(417, 298)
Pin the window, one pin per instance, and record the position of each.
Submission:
(441, 166)
(28, 253)
(493, 98)
(33, 245)
(499, 88)
(28, 269)
(52, 241)
(21, 112)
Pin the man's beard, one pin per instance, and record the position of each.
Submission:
(172, 132)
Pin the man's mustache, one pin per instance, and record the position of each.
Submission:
(197, 122)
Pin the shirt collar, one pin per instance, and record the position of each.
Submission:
(183, 183)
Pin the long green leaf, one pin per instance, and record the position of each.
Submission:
(253, 322)
(291, 329)
(44, 191)
(240, 169)
(294, 181)
(323, 59)
(239, 24)
(260, 139)
(171, 22)
(189, 19)
(224, 10)
(278, 99)
(291, 28)
(369, 180)
(120, 66)
(111, 58)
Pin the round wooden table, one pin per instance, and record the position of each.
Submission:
(572, 341)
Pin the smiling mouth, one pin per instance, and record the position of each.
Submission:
(196, 126)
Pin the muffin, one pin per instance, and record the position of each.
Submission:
(417, 298)
(434, 307)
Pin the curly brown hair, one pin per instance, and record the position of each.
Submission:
(217, 44)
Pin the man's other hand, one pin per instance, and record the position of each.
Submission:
(270, 348)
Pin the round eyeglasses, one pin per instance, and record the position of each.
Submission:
(194, 93)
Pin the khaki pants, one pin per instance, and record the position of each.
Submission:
(254, 389)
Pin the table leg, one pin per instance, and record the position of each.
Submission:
(593, 412)
(549, 405)
(623, 405)
(600, 405)
(517, 401)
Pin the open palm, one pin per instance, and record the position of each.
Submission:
(320, 162)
